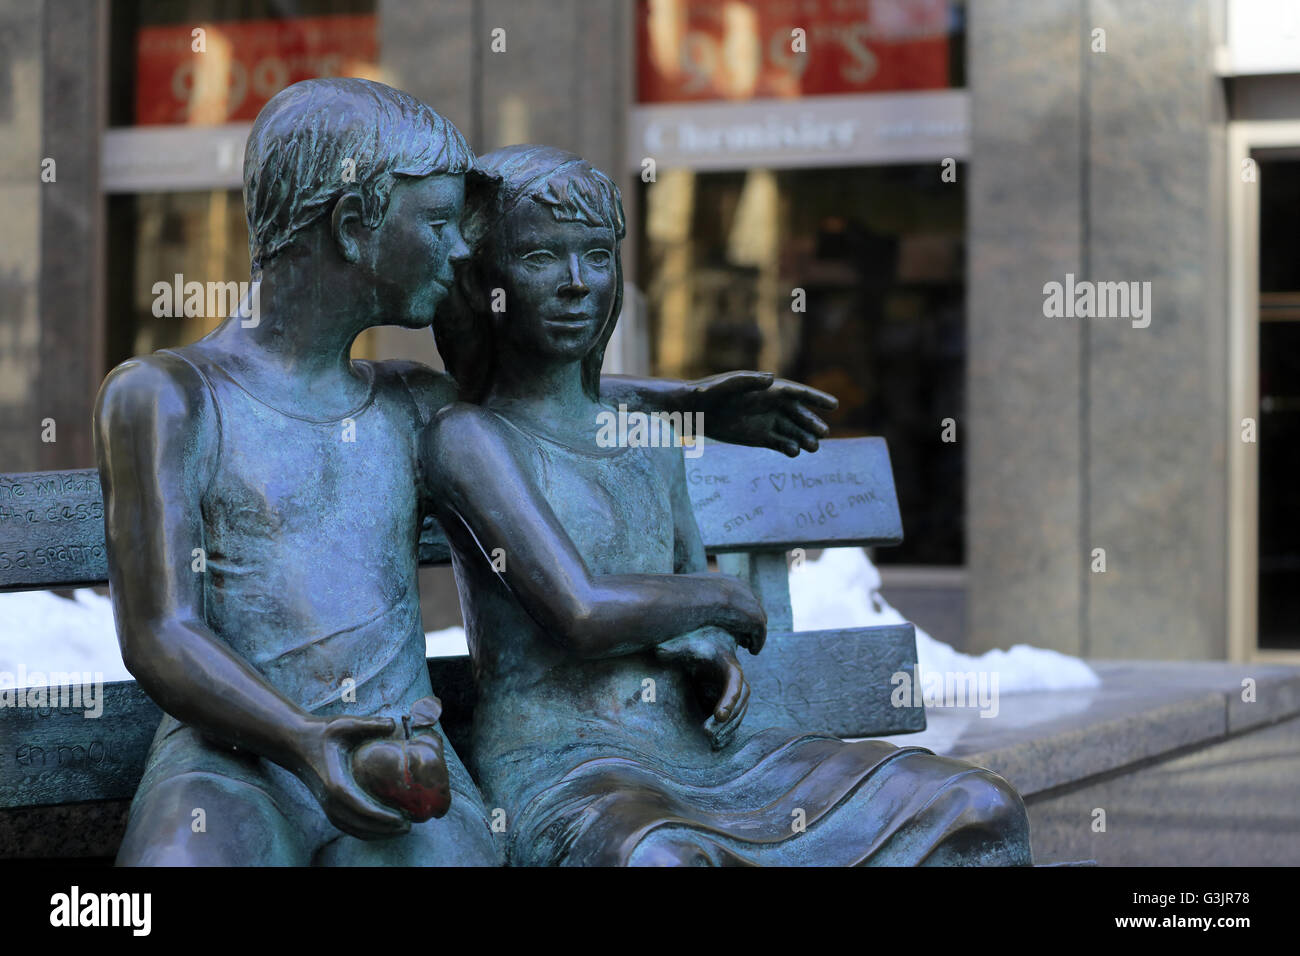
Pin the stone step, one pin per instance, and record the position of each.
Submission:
(1142, 711)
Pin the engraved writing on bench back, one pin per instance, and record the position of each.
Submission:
(754, 498)
(51, 529)
(54, 754)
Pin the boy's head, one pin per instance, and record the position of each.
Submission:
(321, 141)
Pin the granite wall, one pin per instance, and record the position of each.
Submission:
(564, 78)
(51, 294)
(1096, 433)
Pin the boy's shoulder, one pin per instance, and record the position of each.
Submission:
(428, 388)
(159, 384)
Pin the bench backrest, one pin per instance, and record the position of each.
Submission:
(753, 505)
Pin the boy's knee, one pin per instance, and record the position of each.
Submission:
(200, 820)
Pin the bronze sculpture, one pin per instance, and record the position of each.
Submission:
(264, 498)
(610, 694)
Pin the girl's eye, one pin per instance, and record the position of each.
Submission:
(538, 256)
(438, 223)
(600, 257)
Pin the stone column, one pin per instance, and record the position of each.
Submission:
(1157, 396)
(22, 74)
(52, 99)
(1090, 433)
(1025, 456)
(563, 78)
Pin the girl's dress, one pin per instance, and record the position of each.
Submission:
(605, 762)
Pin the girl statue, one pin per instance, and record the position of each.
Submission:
(611, 698)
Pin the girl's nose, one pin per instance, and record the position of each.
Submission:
(575, 283)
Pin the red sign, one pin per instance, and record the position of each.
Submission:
(225, 71)
(745, 49)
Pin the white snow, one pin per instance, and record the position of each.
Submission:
(842, 589)
(42, 632)
(449, 642)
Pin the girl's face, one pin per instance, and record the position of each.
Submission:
(559, 282)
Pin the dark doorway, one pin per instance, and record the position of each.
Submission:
(1279, 400)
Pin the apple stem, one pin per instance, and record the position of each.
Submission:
(406, 725)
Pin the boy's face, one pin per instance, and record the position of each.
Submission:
(559, 279)
(410, 254)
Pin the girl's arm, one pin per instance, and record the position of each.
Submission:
(488, 500)
(707, 655)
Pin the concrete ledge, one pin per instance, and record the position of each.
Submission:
(1143, 710)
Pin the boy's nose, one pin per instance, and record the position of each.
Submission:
(460, 251)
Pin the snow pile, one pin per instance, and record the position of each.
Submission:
(449, 642)
(842, 589)
(40, 631)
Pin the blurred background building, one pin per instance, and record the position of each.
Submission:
(865, 195)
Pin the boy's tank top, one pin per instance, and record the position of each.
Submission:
(309, 533)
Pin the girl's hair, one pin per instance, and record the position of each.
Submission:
(574, 191)
(317, 139)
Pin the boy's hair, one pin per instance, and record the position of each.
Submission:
(318, 139)
(574, 191)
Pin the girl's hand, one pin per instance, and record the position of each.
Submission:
(708, 656)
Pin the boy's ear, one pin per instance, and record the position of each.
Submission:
(346, 225)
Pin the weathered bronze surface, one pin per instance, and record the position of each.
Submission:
(264, 496)
(841, 681)
(611, 699)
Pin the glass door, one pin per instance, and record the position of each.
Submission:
(1279, 399)
(1263, 430)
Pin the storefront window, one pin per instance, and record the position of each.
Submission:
(197, 64)
(695, 50)
(206, 62)
(787, 226)
(851, 280)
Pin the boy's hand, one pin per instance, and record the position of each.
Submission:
(326, 769)
(408, 771)
(757, 408)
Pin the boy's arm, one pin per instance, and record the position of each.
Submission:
(430, 389)
(154, 429)
(744, 408)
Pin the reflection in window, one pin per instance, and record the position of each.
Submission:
(852, 280)
(205, 62)
(156, 237)
(200, 236)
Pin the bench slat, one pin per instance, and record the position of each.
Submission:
(51, 530)
(58, 755)
(746, 499)
(828, 681)
(838, 682)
